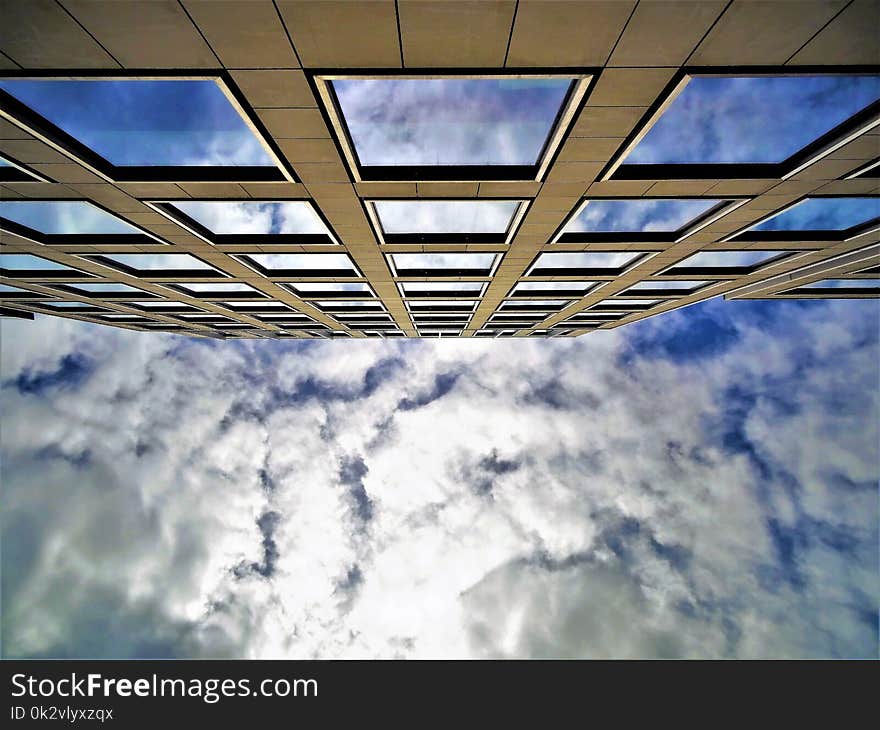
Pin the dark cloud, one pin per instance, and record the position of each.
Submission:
(442, 385)
(483, 474)
(267, 523)
(71, 372)
(348, 587)
(352, 471)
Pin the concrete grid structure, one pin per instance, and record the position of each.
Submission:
(273, 60)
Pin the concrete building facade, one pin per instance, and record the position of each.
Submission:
(281, 67)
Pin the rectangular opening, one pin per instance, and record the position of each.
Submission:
(165, 307)
(442, 264)
(837, 288)
(139, 128)
(435, 318)
(345, 306)
(453, 127)
(231, 222)
(523, 318)
(329, 265)
(26, 266)
(716, 125)
(277, 317)
(545, 289)
(650, 288)
(827, 218)
(70, 222)
(441, 289)
(108, 290)
(446, 221)
(330, 290)
(157, 265)
(584, 263)
(724, 263)
(379, 326)
(637, 219)
(15, 292)
(216, 288)
(363, 319)
(623, 305)
(535, 305)
(267, 307)
(441, 305)
(71, 306)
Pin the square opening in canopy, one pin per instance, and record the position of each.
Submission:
(234, 221)
(833, 217)
(443, 264)
(69, 221)
(16, 265)
(644, 219)
(446, 221)
(583, 263)
(463, 127)
(130, 128)
(749, 126)
(724, 263)
(328, 265)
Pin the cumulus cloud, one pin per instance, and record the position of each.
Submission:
(702, 484)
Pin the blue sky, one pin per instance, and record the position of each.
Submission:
(450, 121)
(586, 259)
(259, 217)
(23, 261)
(845, 284)
(699, 484)
(638, 215)
(823, 214)
(714, 259)
(702, 484)
(158, 122)
(63, 216)
(752, 119)
(446, 216)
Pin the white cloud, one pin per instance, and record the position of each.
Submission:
(259, 217)
(455, 216)
(443, 498)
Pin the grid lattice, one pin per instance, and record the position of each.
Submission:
(276, 62)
